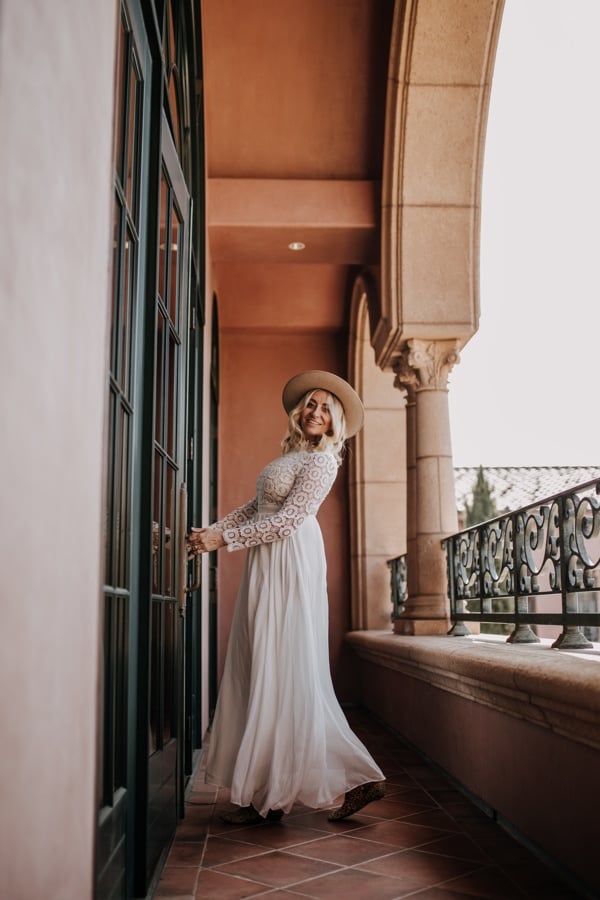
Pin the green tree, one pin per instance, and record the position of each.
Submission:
(482, 506)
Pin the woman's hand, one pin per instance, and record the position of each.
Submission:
(203, 540)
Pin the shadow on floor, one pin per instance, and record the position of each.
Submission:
(423, 840)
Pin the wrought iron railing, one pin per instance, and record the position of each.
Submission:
(399, 594)
(538, 565)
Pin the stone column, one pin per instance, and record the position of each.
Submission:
(422, 370)
(406, 380)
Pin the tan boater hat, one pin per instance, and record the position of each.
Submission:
(314, 380)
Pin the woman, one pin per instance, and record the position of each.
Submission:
(279, 734)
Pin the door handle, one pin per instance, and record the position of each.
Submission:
(184, 588)
(197, 582)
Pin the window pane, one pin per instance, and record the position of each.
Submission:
(159, 378)
(109, 511)
(171, 396)
(118, 488)
(173, 94)
(121, 93)
(121, 629)
(108, 705)
(175, 274)
(169, 557)
(157, 525)
(169, 41)
(127, 294)
(115, 284)
(133, 136)
(122, 525)
(172, 54)
(154, 677)
(169, 730)
(162, 249)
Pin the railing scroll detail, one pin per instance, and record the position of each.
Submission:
(534, 566)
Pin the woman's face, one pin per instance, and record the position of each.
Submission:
(315, 418)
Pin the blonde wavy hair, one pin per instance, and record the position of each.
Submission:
(334, 440)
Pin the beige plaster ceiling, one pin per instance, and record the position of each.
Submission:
(359, 131)
(294, 109)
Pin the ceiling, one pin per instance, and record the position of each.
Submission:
(294, 111)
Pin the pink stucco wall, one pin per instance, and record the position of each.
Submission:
(542, 783)
(252, 423)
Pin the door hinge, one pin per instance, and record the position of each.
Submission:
(193, 323)
(191, 448)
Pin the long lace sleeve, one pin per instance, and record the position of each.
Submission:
(237, 517)
(312, 483)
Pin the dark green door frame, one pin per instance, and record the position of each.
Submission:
(160, 732)
(125, 417)
(152, 661)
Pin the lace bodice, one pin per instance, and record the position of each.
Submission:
(288, 490)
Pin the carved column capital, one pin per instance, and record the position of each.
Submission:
(425, 365)
(406, 380)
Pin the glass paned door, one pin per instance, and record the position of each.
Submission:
(166, 625)
(120, 583)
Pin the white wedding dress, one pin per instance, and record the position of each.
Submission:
(279, 734)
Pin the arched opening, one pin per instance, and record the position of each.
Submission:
(377, 471)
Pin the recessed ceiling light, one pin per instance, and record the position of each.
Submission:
(296, 245)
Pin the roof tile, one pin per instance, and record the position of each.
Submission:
(514, 486)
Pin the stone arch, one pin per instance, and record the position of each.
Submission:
(377, 470)
(441, 62)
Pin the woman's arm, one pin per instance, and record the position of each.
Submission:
(204, 540)
(237, 517)
(311, 485)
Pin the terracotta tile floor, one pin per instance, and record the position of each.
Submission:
(424, 840)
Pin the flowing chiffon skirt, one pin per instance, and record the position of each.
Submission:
(279, 734)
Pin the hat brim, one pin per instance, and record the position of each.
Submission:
(314, 380)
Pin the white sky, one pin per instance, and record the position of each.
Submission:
(526, 391)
